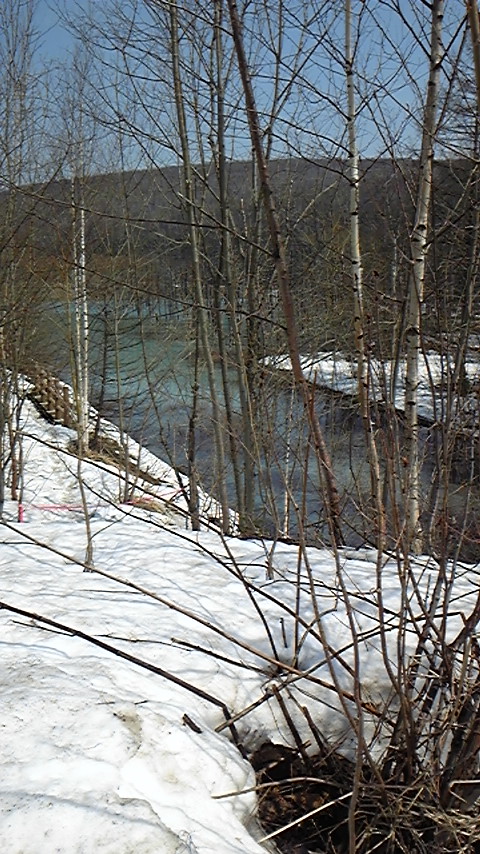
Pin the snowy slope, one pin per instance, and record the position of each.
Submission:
(102, 755)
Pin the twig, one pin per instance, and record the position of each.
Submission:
(304, 817)
(199, 692)
(196, 648)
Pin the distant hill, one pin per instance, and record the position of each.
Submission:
(143, 212)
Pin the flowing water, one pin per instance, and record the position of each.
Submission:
(142, 375)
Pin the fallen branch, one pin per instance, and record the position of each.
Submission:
(145, 665)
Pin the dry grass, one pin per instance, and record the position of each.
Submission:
(305, 808)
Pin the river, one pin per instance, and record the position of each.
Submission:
(142, 372)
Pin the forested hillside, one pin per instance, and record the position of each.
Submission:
(239, 269)
(141, 212)
(262, 183)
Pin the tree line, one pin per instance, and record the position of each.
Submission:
(298, 181)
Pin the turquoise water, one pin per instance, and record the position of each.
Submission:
(142, 373)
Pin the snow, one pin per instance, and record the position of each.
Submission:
(338, 373)
(100, 754)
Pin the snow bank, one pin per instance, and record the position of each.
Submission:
(338, 373)
(101, 755)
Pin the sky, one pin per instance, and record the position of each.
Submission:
(391, 66)
(55, 38)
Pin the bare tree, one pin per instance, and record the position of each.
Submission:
(360, 332)
(22, 141)
(327, 253)
(474, 23)
(279, 256)
(199, 292)
(419, 248)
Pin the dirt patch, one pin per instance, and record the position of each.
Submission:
(109, 451)
(308, 800)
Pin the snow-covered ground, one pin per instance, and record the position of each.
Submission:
(338, 373)
(102, 755)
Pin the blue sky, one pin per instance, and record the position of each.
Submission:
(55, 38)
(397, 117)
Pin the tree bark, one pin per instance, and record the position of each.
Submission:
(283, 278)
(418, 242)
(363, 367)
(474, 24)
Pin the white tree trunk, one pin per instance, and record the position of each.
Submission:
(80, 354)
(413, 536)
(357, 282)
(81, 319)
(474, 24)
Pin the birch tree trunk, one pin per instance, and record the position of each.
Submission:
(81, 327)
(474, 24)
(80, 350)
(363, 367)
(413, 534)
